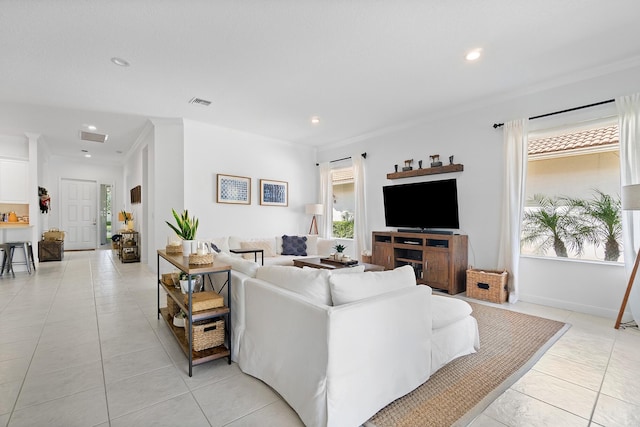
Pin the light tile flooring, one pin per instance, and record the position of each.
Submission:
(80, 345)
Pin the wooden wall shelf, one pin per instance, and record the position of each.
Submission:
(426, 171)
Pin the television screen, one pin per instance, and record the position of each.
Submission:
(423, 205)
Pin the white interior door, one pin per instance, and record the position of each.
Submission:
(79, 211)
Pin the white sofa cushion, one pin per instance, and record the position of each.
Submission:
(312, 284)
(346, 288)
(239, 264)
(447, 310)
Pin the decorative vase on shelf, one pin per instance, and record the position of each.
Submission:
(130, 224)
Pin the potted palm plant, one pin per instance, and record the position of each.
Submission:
(186, 229)
(339, 251)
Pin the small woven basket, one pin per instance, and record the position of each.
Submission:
(195, 259)
(173, 249)
(487, 285)
(207, 334)
(172, 306)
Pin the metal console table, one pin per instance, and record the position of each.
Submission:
(184, 336)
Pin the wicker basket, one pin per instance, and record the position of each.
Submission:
(171, 279)
(195, 259)
(487, 285)
(204, 300)
(207, 334)
(172, 306)
(173, 249)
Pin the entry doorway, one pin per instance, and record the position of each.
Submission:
(78, 199)
(106, 230)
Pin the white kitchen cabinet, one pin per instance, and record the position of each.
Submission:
(14, 181)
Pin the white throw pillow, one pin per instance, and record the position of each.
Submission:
(266, 245)
(312, 244)
(221, 242)
(238, 264)
(312, 283)
(346, 288)
(325, 246)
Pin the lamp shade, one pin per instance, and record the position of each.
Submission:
(314, 209)
(631, 197)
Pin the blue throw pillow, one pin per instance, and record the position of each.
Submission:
(294, 245)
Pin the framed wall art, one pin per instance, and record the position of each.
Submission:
(274, 193)
(233, 189)
(136, 194)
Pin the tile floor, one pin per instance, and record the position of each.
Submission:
(80, 345)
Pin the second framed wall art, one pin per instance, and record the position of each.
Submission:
(274, 193)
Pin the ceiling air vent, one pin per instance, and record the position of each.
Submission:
(200, 101)
(93, 137)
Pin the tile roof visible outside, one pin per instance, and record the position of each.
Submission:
(591, 138)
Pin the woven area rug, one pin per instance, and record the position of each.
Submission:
(510, 344)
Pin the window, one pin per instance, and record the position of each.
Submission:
(572, 191)
(343, 202)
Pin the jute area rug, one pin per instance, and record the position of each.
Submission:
(510, 344)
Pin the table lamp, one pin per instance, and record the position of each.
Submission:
(630, 202)
(314, 209)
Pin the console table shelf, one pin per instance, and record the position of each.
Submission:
(426, 171)
(184, 336)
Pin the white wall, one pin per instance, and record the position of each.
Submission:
(211, 150)
(467, 133)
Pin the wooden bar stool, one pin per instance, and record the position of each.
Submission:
(7, 259)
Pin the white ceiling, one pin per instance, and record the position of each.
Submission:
(362, 66)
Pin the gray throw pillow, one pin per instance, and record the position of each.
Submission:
(294, 245)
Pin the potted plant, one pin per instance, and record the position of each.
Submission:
(185, 229)
(339, 251)
(127, 218)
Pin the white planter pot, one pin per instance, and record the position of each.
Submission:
(184, 285)
(186, 247)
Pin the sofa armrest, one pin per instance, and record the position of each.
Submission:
(336, 365)
(379, 350)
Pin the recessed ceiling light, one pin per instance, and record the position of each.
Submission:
(120, 62)
(87, 155)
(473, 55)
(315, 120)
(91, 127)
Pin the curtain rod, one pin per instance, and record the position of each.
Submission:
(497, 125)
(364, 156)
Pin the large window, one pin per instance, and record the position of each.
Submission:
(343, 202)
(572, 194)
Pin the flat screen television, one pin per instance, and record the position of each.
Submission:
(423, 205)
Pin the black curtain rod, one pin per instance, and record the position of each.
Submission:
(364, 156)
(497, 125)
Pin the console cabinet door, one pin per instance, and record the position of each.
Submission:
(437, 275)
(383, 255)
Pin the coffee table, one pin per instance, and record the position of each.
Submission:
(318, 263)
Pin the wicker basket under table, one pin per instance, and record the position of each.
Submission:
(487, 285)
(207, 334)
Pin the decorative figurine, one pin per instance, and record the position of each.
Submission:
(435, 160)
(395, 167)
(419, 164)
(450, 160)
(407, 165)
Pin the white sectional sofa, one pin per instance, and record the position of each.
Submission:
(273, 247)
(340, 345)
